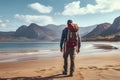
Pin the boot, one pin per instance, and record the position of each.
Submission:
(64, 73)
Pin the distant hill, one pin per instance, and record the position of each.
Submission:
(51, 32)
(108, 33)
(98, 30)
(6, 34)
(34, 31)
(85, 30)
(58, 29)
(113, 29)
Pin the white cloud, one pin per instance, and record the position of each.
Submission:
(40, 8)
(102, 6)
(41, 20)
(2, 23)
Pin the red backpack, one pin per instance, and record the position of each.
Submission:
(72, 36)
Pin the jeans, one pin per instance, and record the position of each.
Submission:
(69, 51)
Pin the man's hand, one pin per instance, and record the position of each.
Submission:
(78, 50)
(61, 50)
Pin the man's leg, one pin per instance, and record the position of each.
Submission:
(72, 57)
(65, 56)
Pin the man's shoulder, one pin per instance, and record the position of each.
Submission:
(65, 29)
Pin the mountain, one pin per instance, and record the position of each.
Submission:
(51, 32)
(86, 30)
(98, 30)
(113, 29)
(58, 29)
(34, 31)
(102, 33)
(6, 34)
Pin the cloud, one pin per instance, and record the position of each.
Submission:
(102, 6)
(3, 23)
(38, 19)
(40, 8)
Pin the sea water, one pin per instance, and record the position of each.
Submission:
(21, 51)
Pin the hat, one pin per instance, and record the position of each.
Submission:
(69, 21)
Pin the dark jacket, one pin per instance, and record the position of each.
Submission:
(64, 37)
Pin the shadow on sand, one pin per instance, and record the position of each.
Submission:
(37, 77)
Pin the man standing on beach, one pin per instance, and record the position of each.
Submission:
(71, 40)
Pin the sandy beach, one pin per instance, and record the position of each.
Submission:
(96, 61)
(87, 67)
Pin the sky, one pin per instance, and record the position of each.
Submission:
(14, 13)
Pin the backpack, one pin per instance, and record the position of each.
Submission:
(72, 35)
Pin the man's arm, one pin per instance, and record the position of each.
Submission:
(79, 43)
(62, 40)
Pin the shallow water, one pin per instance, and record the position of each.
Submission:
(21, 51)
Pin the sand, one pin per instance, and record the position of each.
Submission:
(87, 67)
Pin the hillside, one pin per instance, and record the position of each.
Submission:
(98, 30)
(34, 31)
(108, 33)
(113, 29)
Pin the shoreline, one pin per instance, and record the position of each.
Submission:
(26, 55)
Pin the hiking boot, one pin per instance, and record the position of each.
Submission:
(64, 73)
(71, 74)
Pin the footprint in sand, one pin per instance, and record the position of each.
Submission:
(117, 69)
(118, 65)
(42, 70)
(82, 68)
(109, 66)
(103, 68)
(51, 68)
(101, 77)
(113, 65)
(93, 67)
(81, 76)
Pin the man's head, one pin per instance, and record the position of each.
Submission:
(69, 21)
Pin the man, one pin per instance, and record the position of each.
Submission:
(68, 50)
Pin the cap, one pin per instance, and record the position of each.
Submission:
(69, 21)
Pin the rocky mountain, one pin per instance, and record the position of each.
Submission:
(113, 29)
(98, 30)
(86, 30)
(108, 33)
(58, 29)
(34, 31)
